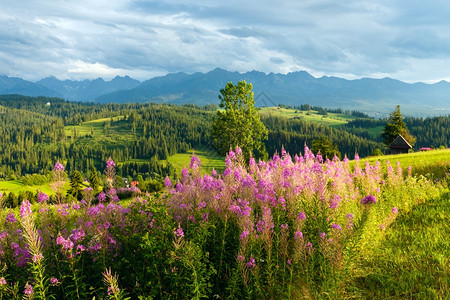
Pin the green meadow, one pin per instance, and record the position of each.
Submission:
(208, 157)
(95, 127)
(432, 164)
(332, 119)
(17, 186)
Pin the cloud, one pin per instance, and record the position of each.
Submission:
(88, 39)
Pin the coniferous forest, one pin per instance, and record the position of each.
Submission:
(37, 131)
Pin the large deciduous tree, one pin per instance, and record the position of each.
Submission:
(396, 126)
(237, 123)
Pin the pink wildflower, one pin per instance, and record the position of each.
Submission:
(58, 167)
(179, 232)
(25, 209)
(28, 289)
(54, 281)
(368, 200)
(251, 264)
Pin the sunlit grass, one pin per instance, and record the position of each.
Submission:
(17, 186)
(434, 164)
(332, 119)
(413, 259)
(86, 128)
(209, 158)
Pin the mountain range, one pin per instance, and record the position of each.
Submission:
(373, 96)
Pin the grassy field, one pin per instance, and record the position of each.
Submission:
(17, 186)
(432, 164)
(413, 259)
(332, 119)
(96, 126)
(209, 158)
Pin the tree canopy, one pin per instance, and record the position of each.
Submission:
(396, 126)
(238, 122)
(325, 147)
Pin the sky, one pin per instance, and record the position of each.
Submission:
(408, 40)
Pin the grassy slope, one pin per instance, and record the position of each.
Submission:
(17, 186)
(85, 128)
(413, 259)
(332, 119)
(433, 164)
(208, 157)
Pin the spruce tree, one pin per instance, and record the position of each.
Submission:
(396, 126)
(326, 148)
(76, 182)
(95, 181)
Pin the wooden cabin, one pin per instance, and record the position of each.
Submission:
(399, 146)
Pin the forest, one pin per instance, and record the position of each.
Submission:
(35, 132)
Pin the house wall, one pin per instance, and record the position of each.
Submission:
(398, 151)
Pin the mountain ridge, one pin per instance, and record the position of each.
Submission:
(377, 96)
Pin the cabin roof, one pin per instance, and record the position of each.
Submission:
(400, 143)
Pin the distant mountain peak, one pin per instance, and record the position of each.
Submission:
(294, 88)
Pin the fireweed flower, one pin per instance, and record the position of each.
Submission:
(167, 182)
(42, 197)
(184, 173)
(2, 281)
(54, 281)
(28, 289)
(37, 257)
(10, 218)
(58, 167)
(394, 210)
(323, 235)
(25, 209)
(110, 163)
(101, 197)
(336, 226)
(66, 244)
(244, 234)
(77, 235)
(251, 264)
(334, 202)
(298, 235)
(238, 151)
(178, 232)
(301, 215)
(368, 200)
(195, 163)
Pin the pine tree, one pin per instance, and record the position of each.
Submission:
(326, 148)
(396, 126)
(76, 182)
(95, 181)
